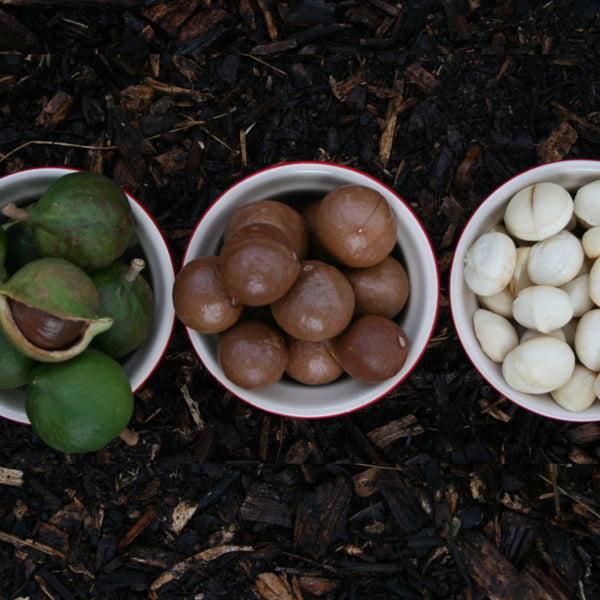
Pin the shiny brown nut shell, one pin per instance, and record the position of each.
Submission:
(252, 354)
(280, 215)
(44, 329)
(258, 264)
(200, 298)
(381, 289)
(315, 248)
(318, 306)
(356, 226)
(372, 349)
(312, 363)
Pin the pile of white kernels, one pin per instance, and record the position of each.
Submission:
(537, 279)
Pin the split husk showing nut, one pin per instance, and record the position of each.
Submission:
(50, 310)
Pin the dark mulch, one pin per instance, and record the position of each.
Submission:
(463, 495)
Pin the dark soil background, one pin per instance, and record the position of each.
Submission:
(443, 489)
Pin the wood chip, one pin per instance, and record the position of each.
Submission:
(137, 528)
(322, 517)
(387, 434)
(422, 79)
(203, 557)
(272, 586)
(493, 573)
(558, 144)
(181, 515)
(27, 543)
(12, 477)
(55, 111)
(263, 504)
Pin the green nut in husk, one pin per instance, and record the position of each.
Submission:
(127, 297)
(14, 365)
(21, 247)
(79, 405)
(3, 253)
(50, 310)
(83, 217)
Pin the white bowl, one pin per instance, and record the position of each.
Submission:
(307, 180)
(571, 174)
(28, 185)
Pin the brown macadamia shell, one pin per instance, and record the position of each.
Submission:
(318, 306)
(278, 214)
(258, 264)
(200, 298)
(312, 363)
(356, 226)
(381, 289)
(252, 354)
(44, 329)
(372, 349)
(315, 248)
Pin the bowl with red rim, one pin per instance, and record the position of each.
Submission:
(571, 175)
(26, 186)
(301, 183)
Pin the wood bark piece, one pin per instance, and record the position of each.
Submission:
(170, 16)
(321, 517)
(136, 98)
(139, 526)
(200, 558)
(12, 477)
(402, 500)
(494, 574)
(276, 587)
(397, 429)
(421, 78)
(365, 482)
(15, 36)
(263, 504)
(55, 111)
(28, 543)
(202, 24)
(175, 90)
(558, 144)
(181, 514)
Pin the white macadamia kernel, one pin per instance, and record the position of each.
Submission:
(597, 386)
(542, 307)
(590, 241)
(578, 393)
(555, 260)
(495, 334)
(587, 340)
(489, 263)
(569, 330)
(528, 334)
(539, 365)
(579, 292)
(586, 204)
(594, 282)
(520, 279)
(538, 211)
(500, 303)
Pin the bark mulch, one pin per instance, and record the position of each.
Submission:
(441, 490)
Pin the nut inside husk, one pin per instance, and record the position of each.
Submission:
(50, 310)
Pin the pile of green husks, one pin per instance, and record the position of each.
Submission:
(71, 309)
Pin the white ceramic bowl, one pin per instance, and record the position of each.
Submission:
(309, 180)
(571, 174)
(23, 187)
